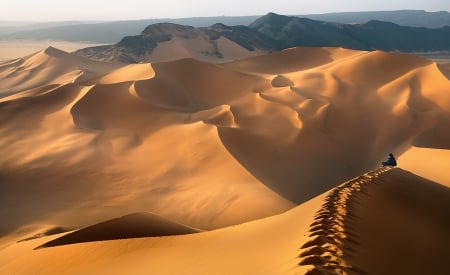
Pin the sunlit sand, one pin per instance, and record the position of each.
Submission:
(255, 166)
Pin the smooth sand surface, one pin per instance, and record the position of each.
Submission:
(136, 225)
(47, 67)
(210, 146)
(430, 163)
(267, 246)
(387, 221)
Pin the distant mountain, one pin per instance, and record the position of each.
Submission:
(295, 31)
(391, 37)
(109, 32)
(167, 41)
(28, 30)
(412, 18)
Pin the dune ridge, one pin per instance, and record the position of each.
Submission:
(333, 232)
(136, 225)
(430, 163)
(256, 134)
(49, 66)
(376, 223)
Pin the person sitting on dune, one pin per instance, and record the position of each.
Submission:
(390, 161)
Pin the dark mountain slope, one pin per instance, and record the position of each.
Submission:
(294, 31)
(135, 49)
(269, 33)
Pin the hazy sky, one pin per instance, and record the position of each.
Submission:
(54, 10)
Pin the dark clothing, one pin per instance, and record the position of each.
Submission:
(390, 162)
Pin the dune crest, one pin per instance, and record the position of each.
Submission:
(49, 66)
(431, 163)
(133, 72)
(375, 223)
(136, 225)
(208, 145)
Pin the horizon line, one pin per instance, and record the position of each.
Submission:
(209, 16)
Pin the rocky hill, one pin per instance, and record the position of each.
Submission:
(292, 31)
(217, 42)
(272, 32)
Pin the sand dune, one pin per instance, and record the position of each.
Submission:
(223, 251)
(49, 66)
(97, 154)
(293, 59)
(133, 72)
(321, 97)
(135, 225)
(174, 87)
(210, 146)
(430, 163)
(376, 223)
(269, 121)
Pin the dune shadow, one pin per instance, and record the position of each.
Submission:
(137, 225)
(341, 241)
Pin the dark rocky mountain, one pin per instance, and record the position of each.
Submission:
(139, 48)
(269, 33)
(295, 31)
(108, 32)
(111, 32)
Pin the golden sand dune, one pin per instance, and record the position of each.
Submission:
(431, 163)
(47, 67)
(167, 131)
(133, 72)
(207, 145)
(376, 223)
(135, 225)
(175, 87)
(291, 60)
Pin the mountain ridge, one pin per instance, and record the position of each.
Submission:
(111, 32)
(294, 31)
(272, 32)
(205, 43)
(412, 18)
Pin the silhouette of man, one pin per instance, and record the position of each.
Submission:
(390, 161)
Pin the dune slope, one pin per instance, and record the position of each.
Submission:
(208, 145)
(387, 221)
(135, 225)
(49, 66)
(431, 163)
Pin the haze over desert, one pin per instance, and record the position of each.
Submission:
(219, 158)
